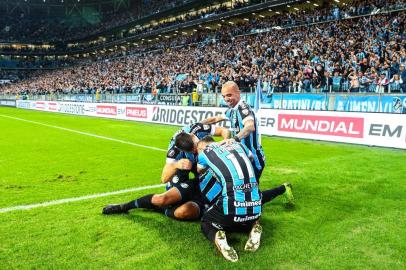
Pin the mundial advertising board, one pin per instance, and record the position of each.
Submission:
(375, 129)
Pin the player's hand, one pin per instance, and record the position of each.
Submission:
(226, 141)
(184, 164)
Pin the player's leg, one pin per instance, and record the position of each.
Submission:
(254, 239)
(150, 201)
(186, 211)
(270, 194)
(212, 228)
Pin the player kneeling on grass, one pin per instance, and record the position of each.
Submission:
(239, 205)
(182, 200)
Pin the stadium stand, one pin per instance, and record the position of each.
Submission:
(354, 48)
(33, 20)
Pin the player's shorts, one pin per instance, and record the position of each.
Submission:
(197, 200)
(231, 223)
(187, 188)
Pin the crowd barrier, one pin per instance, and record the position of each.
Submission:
(385, 103)
(7, 102)
(375, 129)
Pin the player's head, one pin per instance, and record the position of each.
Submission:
(230, 93)
(204, 142)
(184, 142)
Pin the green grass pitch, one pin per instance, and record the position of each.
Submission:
(350, 202)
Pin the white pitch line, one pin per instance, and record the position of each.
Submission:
(84, 133)
(75, 199)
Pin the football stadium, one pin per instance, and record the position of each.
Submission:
(210, 134)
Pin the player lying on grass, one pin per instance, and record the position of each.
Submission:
(187, 199)
(239, 206)
(182, 200)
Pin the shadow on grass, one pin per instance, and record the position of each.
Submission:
(186, 238)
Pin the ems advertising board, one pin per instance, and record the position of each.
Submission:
(378, 129)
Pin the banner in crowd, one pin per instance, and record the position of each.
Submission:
(8, 103)
(296, 102)
(148, 99)
(134, 98)
(377, 129)
(169, 99)
(385, 104)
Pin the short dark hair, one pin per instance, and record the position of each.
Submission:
(207, 138)
(184, 142)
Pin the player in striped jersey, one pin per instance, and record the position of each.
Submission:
(239, 206)
(182, 198)
(244, 128)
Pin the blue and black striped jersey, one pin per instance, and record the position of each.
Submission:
(199, 130)
(238, 115)
(230, 164)
(210, 187)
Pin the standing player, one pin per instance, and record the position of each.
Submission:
(182, 198)
(245, 130)
(239, 206)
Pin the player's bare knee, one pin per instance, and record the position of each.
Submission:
(186, 213)
(159, 200)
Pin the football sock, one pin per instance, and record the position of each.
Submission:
(170, 212)
(143, 202)
(208, 230)
(270, 194)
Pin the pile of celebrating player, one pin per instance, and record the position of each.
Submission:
(225, 193)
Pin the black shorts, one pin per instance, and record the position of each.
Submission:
(197, 201)
(187, 188)
(230, 223)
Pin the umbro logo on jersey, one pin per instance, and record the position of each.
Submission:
(184, 185)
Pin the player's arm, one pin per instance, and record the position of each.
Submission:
(174, 161)
(247, 152)
(170, 169)
(168, 172)
(249, 126)
(213, 120)
(222, 131)
(201, 163)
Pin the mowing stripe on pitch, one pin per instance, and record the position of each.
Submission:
(75, 199)
(84, 133)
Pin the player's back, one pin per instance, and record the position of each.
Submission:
(231, 165)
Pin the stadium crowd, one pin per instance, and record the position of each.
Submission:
(363, 54)
(20, 26)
